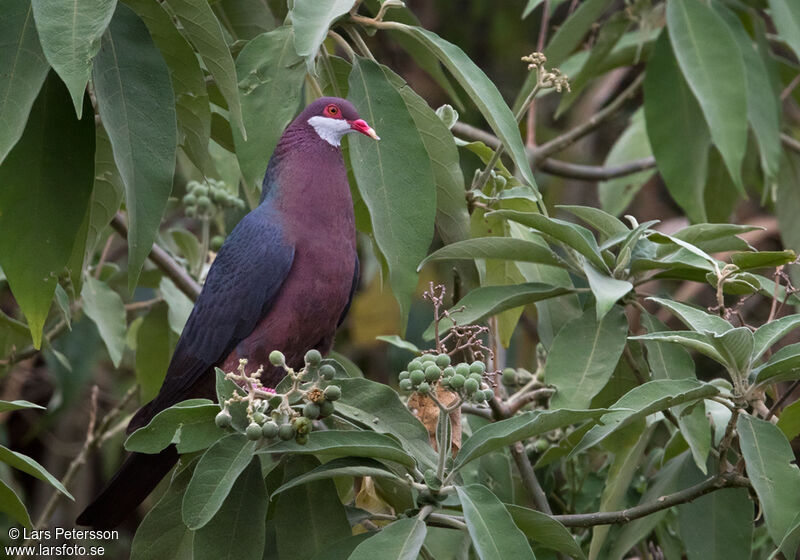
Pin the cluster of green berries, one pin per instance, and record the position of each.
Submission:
(272, 418)
(466, 379)
(513, 378)
(204, 200)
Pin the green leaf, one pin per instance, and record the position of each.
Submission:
(344, 466)
(69, 33)
(500, 434)
(11, 505)
(769, 457)
(787, 203)
(202, 29)
(782, 366)
(400, 540)
(238, 528)
(452, 217)
(763, 108)
(575, 236)
(506, 248)
(616, 194)
(214, 476)
(309, 518)
(483, 93)
(487, 301)
(717, 526)
(27, 465)
(45, 184)
(490, 525)
(178, 304)
(641, 401)
(377, 407)
(715, 238)
(5, 406)
(107, 192)
(736, 347)
(23, 67)
(605, 223)
(545, 531)
(269, 73)
(154, 345)
(695, 318)
(162, 534)
(710, 60)
(666, 361)
(137, 107)
(104, 306)
(790, 541)
(763, 259)
(606, 289)
(394, 178)
(398, 342)
(189, 424)
(789, 421)
(677, 130)
(346, 443)
(583, 357)
(786, 16)
(188, 81)
(311, 20)
(689, 339)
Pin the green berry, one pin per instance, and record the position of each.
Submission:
(462, 369)
(445, 382)
(478, 396)
(470, 386)
(332, 393)
(424, 388)
(327, 372)
(488, 394)
(220, 195)
(223, 419)
(203, 202)
(432, 373)
(442, 360)
(477, 367)
(509, 378)
(477, 377)
(189, 200)
(417, 377)
(259, 418)
(427, 358)
(253, 431)
(301, 439)
(276, 358)
(405, 385)
(311, 410)
(457, 381)
(269, 430)
(414, 365)
(191, 212)
(403, 375)
(216, 243)
(448, 371)
(199, 190)
(313, 357)
(302, 425)
(286, 432)
(326, 409)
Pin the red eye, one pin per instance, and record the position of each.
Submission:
(333, 111)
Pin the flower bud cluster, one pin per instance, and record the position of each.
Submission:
(273, 415)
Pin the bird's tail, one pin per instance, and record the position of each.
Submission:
(135, 479)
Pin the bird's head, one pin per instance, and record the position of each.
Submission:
(333, 117)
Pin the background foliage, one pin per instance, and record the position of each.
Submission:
(645, 362)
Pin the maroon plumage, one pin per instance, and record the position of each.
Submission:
(283, 280)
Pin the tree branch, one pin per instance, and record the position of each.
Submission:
(562, 168)
(529, 479)
(163, 261)
(726, 480)
(790, 143)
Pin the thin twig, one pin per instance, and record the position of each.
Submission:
(343, 44)
(163, 261)
(529, 479)
(790, 143)
(726, 480)
(782, 400)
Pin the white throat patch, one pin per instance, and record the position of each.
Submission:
(330, 130)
